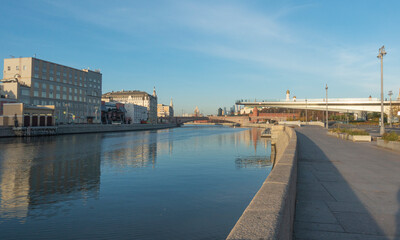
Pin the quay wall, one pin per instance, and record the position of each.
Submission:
(270, 215)
(94, 128)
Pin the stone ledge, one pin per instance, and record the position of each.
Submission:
(392, 145)
(270, 214)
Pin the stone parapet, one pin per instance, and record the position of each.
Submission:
(270, 214)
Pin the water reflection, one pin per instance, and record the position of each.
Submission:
(127, 184)
(37, 174)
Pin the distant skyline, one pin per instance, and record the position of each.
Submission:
(211, 53)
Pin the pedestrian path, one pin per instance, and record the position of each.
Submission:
(345, 190)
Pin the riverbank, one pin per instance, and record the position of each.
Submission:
(270, 215)
(92, 128)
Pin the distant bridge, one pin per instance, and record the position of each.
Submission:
(180, 120)
(344, 105)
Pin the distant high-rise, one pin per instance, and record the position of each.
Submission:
(219, 112)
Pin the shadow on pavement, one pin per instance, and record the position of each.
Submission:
(327, 206)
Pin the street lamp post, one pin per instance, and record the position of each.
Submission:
(390, 109)
(326, 102)
(382, 53)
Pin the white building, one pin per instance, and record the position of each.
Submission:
(138, 98)
(136, 113)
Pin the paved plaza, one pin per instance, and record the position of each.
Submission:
(345, 190)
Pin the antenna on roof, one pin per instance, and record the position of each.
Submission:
(34, 55)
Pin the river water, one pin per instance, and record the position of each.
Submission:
(192, 182)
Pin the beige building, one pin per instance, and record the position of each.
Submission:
(165, 110)
(76, 94)
(138, 98)
(22, 115)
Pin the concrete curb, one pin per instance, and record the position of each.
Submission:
(270, 214)
(392, 145)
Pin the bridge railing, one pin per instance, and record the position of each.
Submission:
(244, 101)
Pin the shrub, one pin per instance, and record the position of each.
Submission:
(391, 136)
(350, 131)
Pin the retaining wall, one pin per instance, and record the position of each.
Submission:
(95, 128)
(392, 145)
(270, 214)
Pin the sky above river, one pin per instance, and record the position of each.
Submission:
(211, 53)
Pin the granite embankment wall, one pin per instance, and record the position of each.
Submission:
(95, 128)
(270, 214)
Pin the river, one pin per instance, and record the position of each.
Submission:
(192, 182)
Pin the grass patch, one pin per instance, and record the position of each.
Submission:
(350, 131)
(391, 136)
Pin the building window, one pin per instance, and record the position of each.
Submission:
(17, 68)
(58, 79)
(51, 95)
(24, 67)
(44, 76)
(51, 78)
(75, 98)
(58, 73)
(35, 102)
(44, 86)
(51, 86)
(36, 93)
(57, 95)
(64, 96)
(58, 88)
(36, 75)
(25, 92)
(70, 97)
(44, 70)
(36, 69)
(36, 85)
(44, 94)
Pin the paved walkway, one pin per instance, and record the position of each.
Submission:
(345, 190)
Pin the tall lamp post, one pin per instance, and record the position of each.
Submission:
(382, 53)
(326, 102)
(390, 109)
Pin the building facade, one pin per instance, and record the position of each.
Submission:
(138, 98)
(76, 94)
(136, 113)
(165, 110)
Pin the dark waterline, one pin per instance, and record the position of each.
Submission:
(183, 183)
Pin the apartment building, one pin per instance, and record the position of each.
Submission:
(75, 93)
(138, 98)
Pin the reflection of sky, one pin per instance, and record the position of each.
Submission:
(165, 179)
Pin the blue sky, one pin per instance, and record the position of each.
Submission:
(211, 53)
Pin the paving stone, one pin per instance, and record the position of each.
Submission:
(314, 211)
(358, 223)
(298, 226)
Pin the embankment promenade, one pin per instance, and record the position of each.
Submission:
(94, 128)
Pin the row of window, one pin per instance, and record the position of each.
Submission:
(59, 104)
(16, 68)
(67, 73)
(70, 81)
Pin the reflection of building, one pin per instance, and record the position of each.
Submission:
(136, 97)
(30, 182)
(139, 152)
(74, 93)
